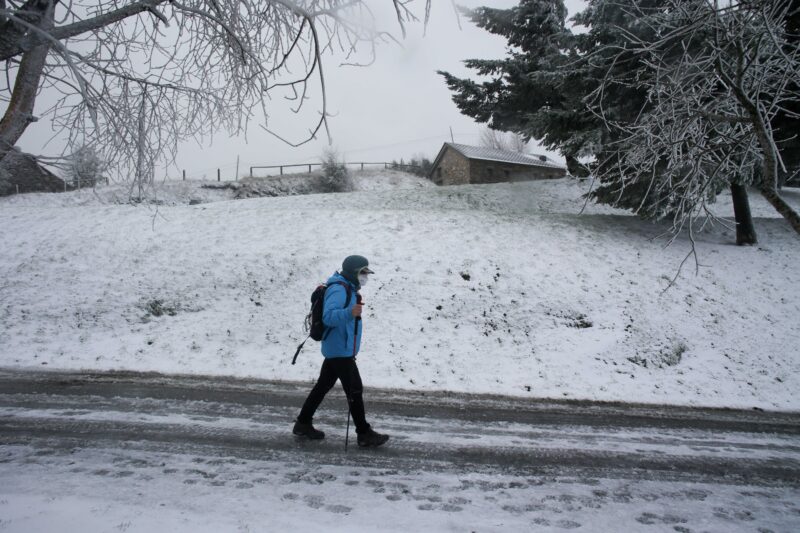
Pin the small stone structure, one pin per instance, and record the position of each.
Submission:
(20, 173)
(459, 164)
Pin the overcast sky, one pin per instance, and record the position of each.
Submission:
(395, 108)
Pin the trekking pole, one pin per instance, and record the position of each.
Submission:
(347, 433)
(349, 400)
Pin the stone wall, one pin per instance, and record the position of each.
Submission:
(453, 169)
(496, 172)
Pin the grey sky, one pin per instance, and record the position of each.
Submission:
(396, 107)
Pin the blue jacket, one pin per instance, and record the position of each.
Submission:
(341, 339)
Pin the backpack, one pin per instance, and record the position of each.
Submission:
(313, 323)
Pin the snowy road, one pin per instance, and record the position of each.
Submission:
(217, 455)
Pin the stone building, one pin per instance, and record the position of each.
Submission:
(20, 173)
(459, 164)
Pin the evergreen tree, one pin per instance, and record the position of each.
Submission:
(538, 89)
(542, 87)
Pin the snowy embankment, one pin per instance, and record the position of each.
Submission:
(500, 289)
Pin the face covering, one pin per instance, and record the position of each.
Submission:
(362, 279)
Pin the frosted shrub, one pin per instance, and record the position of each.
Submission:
(335, 175)
(85, 167)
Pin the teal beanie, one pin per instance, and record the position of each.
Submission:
(351, 266)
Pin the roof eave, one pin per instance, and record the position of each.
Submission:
(531, 164)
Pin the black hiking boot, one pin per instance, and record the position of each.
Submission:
(307, 430)
(371, 439)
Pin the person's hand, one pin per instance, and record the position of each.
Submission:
(357, 310)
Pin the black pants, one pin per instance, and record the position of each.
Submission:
(345, 370)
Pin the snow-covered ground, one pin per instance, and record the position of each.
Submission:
(132, 491)
(152, 453)
(197, 192)
(501, 289)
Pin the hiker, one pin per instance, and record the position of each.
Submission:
(341, 315)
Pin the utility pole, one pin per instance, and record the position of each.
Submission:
(451, 135)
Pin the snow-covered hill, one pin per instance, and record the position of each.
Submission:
(501, 289)
(197, 192)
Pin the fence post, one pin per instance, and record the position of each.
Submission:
(309, 169)
(217, 174)
(184, 174)
(18, 187)
(251, 172)
(281, 170)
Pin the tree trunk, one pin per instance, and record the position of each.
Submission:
(745, 230)
(781, 180)
(20, 108)
(575, 167)
(782, 207)
(15, 40)
(141, 170)
(769, 178)
(769, 172)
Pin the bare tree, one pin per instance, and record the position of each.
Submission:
(503, 140)
(136, 77)
(715, 75)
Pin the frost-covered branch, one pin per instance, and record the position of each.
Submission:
(135, 78)
(715, 79)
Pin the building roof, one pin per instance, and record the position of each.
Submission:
(501, 156)
(21, 172)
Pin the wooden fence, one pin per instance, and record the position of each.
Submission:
(310, 165)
